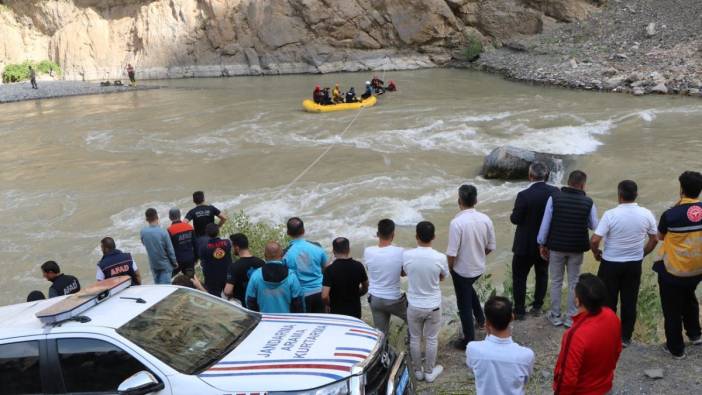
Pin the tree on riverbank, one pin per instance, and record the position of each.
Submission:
(20, 71)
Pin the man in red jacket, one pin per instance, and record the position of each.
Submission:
(590, 348)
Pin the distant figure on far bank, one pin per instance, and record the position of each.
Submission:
(61, 284)
(624, 230)
(274, 288)
(563, 239)
(527, 215)
(471, 239)
(33, 77)
(116, 263)
(131, 75)
(500, 366)
(345, 281)
(679, 265)
(159, 248)
(307, 260)
(590, 349)
(184, 243)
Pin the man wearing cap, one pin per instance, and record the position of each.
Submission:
(183, 240)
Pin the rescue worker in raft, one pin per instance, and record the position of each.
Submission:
(326, 97)
(369, 91)
(337, 96)
(378, 85)
(351, 96)
(317, 94)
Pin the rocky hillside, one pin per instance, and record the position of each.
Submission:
(95, 39)
(639, 47)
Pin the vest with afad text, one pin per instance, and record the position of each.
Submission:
(117, 263)
(569, 223)
(682, 246)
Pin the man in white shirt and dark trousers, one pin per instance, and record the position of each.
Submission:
(425, 268)
(500, 366)
(384, 267)
(471, 239)
(624, 229)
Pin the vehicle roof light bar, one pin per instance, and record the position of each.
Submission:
(75, 304)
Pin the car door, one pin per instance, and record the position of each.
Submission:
(96, 365)
(23, 367)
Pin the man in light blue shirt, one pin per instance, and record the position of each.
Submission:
(500, 366)
(307, 260)
(272, 287)
(159, 248)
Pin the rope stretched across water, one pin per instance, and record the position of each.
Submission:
(326, 151)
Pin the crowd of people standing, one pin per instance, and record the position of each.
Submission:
(552, 236)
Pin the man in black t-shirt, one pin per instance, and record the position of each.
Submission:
(240, 271)
(62, 284)
(203, 214)
(345, 281)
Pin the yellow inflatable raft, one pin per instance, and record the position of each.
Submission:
(311, 106)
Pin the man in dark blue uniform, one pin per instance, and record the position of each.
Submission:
(61, 284)
(116, 263)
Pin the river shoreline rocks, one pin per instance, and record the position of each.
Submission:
(53, 89)
(642, 47)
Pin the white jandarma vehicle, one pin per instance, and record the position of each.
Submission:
(113, 338)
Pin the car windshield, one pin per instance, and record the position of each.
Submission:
(189, 330)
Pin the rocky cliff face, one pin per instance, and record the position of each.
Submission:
(95, 39)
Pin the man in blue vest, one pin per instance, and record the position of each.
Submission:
(307, 260)
(116, 263)
(273, 288)
(563, 239)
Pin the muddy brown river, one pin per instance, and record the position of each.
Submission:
(74, 170)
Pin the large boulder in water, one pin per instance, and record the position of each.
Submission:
(512, 163)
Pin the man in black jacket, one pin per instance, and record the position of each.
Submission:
(563, 238)
(527, 215)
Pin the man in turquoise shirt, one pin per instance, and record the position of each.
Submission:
(272, 287)
(307, 260)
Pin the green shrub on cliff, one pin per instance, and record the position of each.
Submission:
(258, 233)
(20, 71)
(474, 48)
(48, 67)
(16, 72)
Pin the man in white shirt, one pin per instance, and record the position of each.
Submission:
(471, 239)
(500, 366)
(425, 268)
(384, 267)
(624, 229)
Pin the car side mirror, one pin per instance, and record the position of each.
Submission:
(140, 383)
